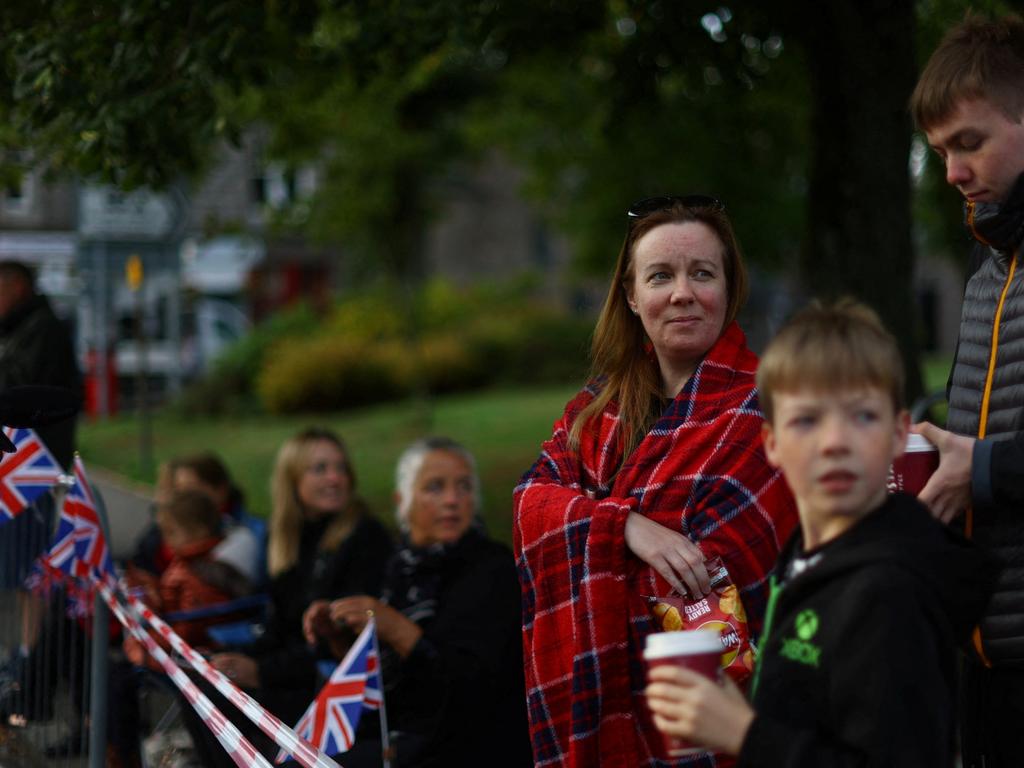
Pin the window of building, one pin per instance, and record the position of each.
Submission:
(18, 195)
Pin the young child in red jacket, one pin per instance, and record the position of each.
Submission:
(190, 525)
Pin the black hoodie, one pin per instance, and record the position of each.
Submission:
(858, 658)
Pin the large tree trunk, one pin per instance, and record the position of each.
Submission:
(862, 65)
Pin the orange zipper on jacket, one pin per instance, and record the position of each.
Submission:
(986, 397)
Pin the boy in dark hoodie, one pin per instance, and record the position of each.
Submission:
(870, 597)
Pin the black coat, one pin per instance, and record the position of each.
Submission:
(858, 660)
(356, 567)
(458, 699)
(36, 348)
(287, 666)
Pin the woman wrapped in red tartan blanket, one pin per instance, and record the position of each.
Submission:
(654, 467)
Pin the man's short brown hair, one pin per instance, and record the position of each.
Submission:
(826, 348)
(980, 58)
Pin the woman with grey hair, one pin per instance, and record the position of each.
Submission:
(409, 465)
(447, 622)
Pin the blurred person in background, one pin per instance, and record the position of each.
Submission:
(190, 524)
(244, 547)
(655, 467)
(448, 626)
(323, 542)
(35, 348)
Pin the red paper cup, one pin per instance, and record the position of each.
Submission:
(699, 650)
(911, 471)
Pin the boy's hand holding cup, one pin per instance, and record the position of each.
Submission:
(700, 651)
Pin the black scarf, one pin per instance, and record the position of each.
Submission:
(413, 582)
(998, 225)
(414, 575)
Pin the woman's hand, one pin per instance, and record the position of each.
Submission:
(242, 670)
(671, 554)
(316, 622)
(393, 627)
(690, 706)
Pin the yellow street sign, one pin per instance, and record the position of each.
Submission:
(133, 272)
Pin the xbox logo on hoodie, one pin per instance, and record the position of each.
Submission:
(806, 624)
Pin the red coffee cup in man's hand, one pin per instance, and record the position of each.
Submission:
(911, 471)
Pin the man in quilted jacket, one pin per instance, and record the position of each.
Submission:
(970, 104)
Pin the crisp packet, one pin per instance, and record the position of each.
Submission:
(721, 609)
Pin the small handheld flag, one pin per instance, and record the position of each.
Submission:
(330, 721)
(79, 547)
(27, 475)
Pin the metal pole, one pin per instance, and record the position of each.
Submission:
(98, 668)
(98, 686)
(385, 735)
(145, 428)
(101, 328)
(172, 261)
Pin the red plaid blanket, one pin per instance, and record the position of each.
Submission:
(701, 470)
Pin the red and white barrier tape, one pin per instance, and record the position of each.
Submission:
(285, 738)
(238, 748)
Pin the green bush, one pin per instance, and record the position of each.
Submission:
(446, 363)
(330, 374)
(384, 344)
(371, 316)
(229, 386)
(532, 346)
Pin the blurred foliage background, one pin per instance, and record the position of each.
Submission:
(364, 351)
(792, 111)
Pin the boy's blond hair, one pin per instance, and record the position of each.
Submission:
(978, 59)
(842, 346)
(192, 511)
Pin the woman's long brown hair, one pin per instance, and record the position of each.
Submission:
(618, 352)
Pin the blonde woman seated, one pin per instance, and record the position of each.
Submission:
(323, 542)
(448, 625)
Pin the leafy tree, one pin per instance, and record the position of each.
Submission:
(129, 91)
(793, 111)
(653, 102)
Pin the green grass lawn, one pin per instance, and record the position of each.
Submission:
(504, 429)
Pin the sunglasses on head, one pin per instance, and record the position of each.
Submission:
(649, 205)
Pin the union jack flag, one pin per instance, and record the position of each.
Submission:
(79, 548)
(26, 475)
(330, 721)
(44, 579)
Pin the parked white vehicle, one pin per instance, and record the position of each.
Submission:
(189, 318)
